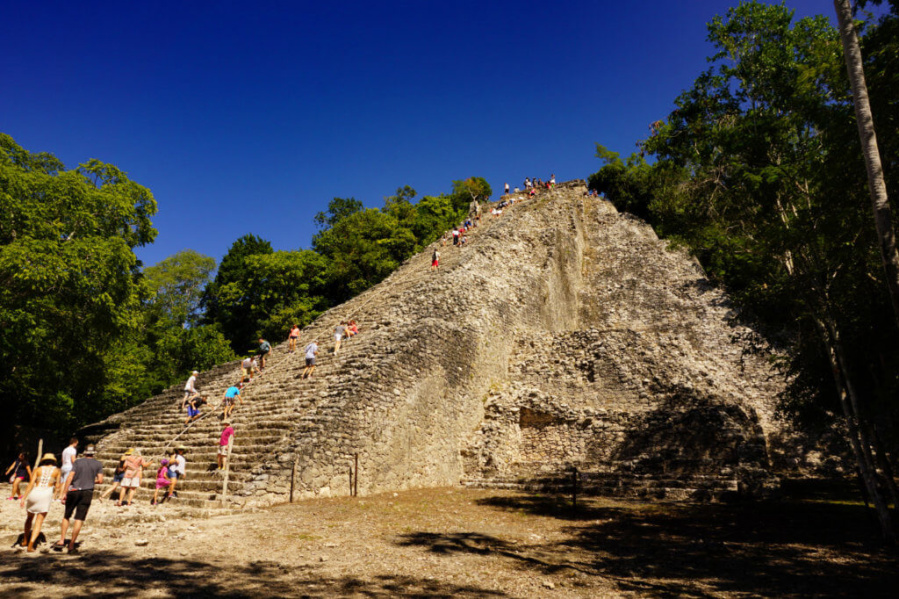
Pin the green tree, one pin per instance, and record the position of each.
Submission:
(472, 189)
(433, 216)
(176, 285)
(227, 302)
(633, 184)
(289, 287)
(170, 343)
(69, 282)
(757, 173)
(400, 206)
(362, 250)
(338, 208)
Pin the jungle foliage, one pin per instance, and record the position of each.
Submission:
(259, 292)
(759, 172)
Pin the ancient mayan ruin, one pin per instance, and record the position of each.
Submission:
(564, 336)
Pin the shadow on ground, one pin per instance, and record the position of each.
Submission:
(101, 574)
(786, 549)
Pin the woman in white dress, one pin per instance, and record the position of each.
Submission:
(37, 498)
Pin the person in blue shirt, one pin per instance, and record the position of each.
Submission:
(264, 348)
(228, 398)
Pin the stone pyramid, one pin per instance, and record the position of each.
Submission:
(565, 336)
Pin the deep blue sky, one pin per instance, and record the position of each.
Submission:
(249, 117)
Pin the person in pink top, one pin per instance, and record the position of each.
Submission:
(163, 481)
(227, 434)
(134, 467)
(293, 336)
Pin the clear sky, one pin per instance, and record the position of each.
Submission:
(249, 117)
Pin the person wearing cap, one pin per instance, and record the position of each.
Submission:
(118, 475)
(227, 434)
(38, 497)
(178, 469)
(80, 484)
(190, 388)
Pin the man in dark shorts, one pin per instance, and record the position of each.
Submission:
(264, 349)
(80, 484)
(311, 350)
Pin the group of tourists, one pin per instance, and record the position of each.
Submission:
(44, 487)
(345, 329)
(73, 486)
(72, 483)
(458, 233)
(531, 185)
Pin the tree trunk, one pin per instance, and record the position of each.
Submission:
(884, 463)
(857, 439)
(882, 214)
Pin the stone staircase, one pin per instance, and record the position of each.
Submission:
(275, 405)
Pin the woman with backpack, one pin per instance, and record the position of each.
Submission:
(117, 476)
(19, 469)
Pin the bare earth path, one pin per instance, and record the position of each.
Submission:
(461, 543)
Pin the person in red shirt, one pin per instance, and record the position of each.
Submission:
(227, 434)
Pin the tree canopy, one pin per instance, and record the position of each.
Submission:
(177, 283)
(70, 280)
(759, 172)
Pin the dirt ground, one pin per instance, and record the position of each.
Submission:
(461, 543)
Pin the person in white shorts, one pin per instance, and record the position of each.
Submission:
(339, 331)
(134, 468)
(190, 388)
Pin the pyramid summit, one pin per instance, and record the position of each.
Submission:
(565, 335)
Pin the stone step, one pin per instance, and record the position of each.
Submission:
(618, 485)
(249, 428)
(210, 501)
(112, 453)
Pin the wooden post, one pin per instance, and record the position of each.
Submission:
(227, 468)
(574, 487)
(40, 449)
(356, 478)
(293, 477)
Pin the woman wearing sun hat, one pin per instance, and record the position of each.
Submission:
(134, 467)
(37, 498)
